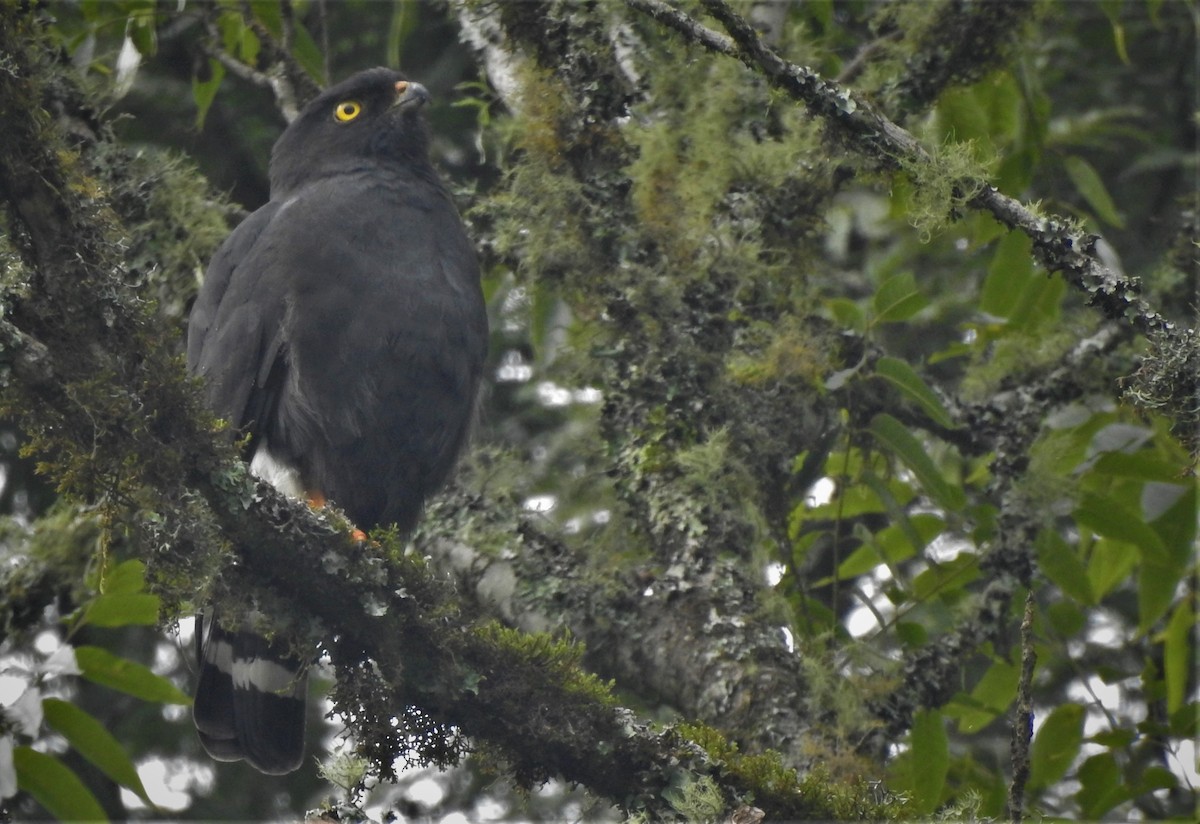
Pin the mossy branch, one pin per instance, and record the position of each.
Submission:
(108, 408)
(1058, 245)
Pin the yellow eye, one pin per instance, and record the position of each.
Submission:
(347, 110)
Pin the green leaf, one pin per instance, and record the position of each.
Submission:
(905, 378)
(1039, 303)
(1109, 518)
(1176, 523)
(898, 299)
(861, 561)
(896, 543)
(143, 34)
(93, 742)
(55, 786)
(946, 579)
(894, 436)
(122, 611)
(102, 667)
(848, 313)
(1100, 786)
(1157, 584)
(405, 16)
(1177, 655)
(125, 578)
(1109, 563)
(990, 697)
(308, 53)
(1089, 184)
(269, 14)
(1141, 466)
(1008, 275)
(1056, 745)
(931, 759)
(911, 634)
(205, 91)
(1062, 565)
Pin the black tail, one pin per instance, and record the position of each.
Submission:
(250, 699)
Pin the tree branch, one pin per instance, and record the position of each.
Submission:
(1057, 245)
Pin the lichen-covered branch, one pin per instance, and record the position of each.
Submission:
(1059, 246)
(695, 478)
(108, 409)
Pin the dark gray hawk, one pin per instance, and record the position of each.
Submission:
(342, 326)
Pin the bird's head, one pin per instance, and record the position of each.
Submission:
(373, 116)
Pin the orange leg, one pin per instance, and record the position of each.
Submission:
(317, 500)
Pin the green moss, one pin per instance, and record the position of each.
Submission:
(695, 799)
(766, 779)
(558, 657)
(771, 353)
(942, 186)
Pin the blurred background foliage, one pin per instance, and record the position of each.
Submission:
(1086, 109)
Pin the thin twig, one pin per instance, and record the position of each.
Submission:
(1022, 726)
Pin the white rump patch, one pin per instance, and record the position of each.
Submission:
(278, 474)
(265, 676)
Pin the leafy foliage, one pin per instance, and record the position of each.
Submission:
(730, 343)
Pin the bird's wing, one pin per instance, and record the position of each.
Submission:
(234, 336)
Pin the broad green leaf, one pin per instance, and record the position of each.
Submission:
(1100, 786)
(1055, 745)
(93, 742)
(1110, 518)
(1008, 275)
(1066, 617)
(1091, 187)
(205, 91)
(848, 313)
(905, 378)
(1062, 565)
(898, 299)
(1176, 524)
(143, 34)
(895, 544)
(1118, 738)
(102, 667)
(1143, 466)
(861, 561)
(1109, 563)
(53, 785)
(855, 499)
(1177, 654)
(894, 436)
(268, 13)
(122, 610)
(1000, 97)
(238, 38)
(125, 578)
(960, 118)
(998, 686)
(911, 634)
(1039, 302)
(946, 579)
(1157, 584)
(990, 697)
(931, 759)
(308, 53)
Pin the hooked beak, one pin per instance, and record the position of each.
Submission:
(410, 95)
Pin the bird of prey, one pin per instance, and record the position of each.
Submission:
(342, 328)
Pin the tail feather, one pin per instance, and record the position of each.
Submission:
(250, 700)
